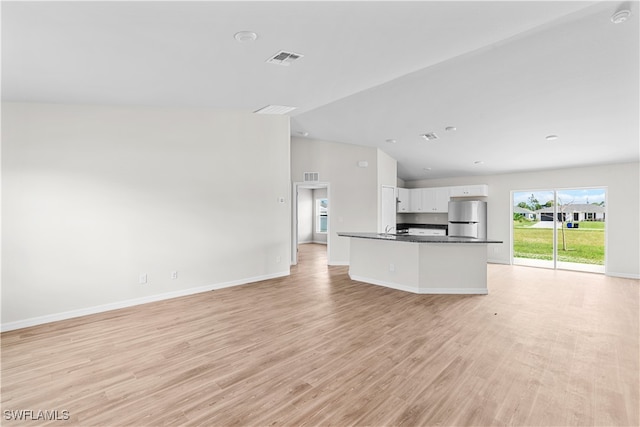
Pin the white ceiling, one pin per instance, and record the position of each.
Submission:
(505, 74)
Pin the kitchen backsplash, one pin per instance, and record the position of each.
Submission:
(422, 218)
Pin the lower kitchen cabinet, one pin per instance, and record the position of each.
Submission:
(427, 232)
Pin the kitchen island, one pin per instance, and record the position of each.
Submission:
(420, 264)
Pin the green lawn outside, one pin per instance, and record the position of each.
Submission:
(585, 244)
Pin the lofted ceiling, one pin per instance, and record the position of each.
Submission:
(505, 74)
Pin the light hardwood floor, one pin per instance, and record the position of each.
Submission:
(545, 347)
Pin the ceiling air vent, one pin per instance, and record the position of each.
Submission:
(429, 136)
(275, 109)
(284, 58)
(311, 177)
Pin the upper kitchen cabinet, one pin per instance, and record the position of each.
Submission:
(469, 191)
(435, 200)
(404, 200)
(415, 200)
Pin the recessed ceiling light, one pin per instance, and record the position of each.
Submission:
(275, 109)
(302, 133)
(245, 36)
(478, 162)
(620, 16)
(450, 128)
(426, 169)
(551, 137)
(391, 141)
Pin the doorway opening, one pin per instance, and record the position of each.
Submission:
(311, 219)
(560, 228)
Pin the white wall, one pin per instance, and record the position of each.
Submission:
(305, 215)
(623, 204)
(93, 196)
(354, 190)
(387, 169)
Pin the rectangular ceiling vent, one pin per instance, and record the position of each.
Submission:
(311, 177)
(429, 136)
(284, 58)
(275, 109)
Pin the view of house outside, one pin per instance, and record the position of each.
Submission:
(579, 223)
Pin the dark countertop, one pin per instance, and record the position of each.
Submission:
(415, 239)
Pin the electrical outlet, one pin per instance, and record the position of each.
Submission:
(143, 278)
(392, 267)
(174, 274)
(278, 259)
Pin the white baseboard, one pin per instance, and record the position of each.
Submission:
(338, 263)
(439, 291)
(623, 275)
(455, 291)
(34, 321)
(497, 261)
(319, 242)
(396, 286)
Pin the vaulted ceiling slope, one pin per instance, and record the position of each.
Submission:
(504, 74)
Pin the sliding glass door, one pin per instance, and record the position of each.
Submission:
(580, 236)
(533, 233)
(560, 228)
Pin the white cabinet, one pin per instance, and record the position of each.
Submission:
(423, 200)
(427, 232)
(404, 201)
(415, 200)
(470, 190)
(435, 200)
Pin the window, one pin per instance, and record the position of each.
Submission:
(574, 241)
(321, 215)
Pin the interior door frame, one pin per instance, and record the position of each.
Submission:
(294, 216)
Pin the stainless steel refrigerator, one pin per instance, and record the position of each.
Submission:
(468, 219)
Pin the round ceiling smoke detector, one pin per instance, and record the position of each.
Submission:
(620, 16)
(551, 137)
(245, 36)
